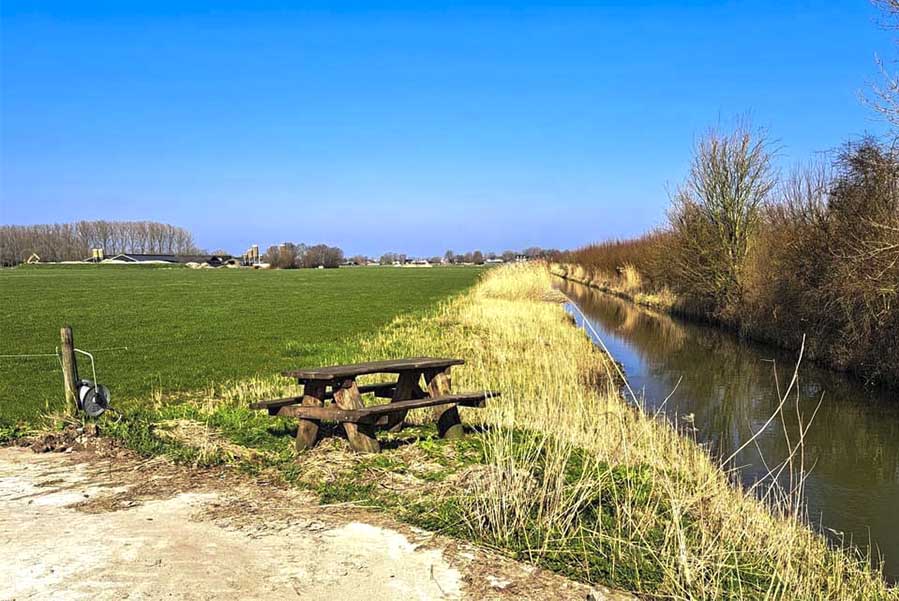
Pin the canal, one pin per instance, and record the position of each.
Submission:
(724, 390)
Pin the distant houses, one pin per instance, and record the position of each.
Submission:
(272, 259)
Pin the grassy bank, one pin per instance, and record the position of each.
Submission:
(560, 471)
(628, 284)
(168, 329)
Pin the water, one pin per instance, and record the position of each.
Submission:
(729, 386)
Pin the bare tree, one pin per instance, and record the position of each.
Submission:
(717, 211)
(322, 255)
(74, 241)
(285, 256)
(885, 98)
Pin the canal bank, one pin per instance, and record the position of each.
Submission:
(723, 390)
(582, 482)
(628, 285)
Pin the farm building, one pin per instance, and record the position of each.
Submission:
(132, 258)
(140, 258)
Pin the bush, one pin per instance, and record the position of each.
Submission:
(829, 262)
(817, 256)
(610, 258)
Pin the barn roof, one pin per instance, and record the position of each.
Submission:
(143, 258)
(140, 258)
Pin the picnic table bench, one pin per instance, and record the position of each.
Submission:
(337, 383)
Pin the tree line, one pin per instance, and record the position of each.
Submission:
(811, 253)
(293, 256)
(507, 256)
(74, 241)
(475, 257)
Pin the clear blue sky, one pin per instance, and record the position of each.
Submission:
(413, 126)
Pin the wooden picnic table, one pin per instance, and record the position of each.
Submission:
(337, 383)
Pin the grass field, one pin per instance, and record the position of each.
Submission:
(189, 329)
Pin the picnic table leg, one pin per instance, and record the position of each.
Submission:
(361, 436)
(406, 387)
(307, 429)
(449, 424)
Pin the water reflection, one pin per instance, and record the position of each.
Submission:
(731, 388)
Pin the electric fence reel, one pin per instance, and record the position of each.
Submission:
(92, 398)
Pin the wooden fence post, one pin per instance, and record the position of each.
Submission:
(69, 366)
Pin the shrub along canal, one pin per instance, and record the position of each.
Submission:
(726, 389)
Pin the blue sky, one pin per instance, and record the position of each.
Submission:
(415, 126)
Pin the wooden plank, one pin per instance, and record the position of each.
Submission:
(396, 366)
(307, 429)
(277, 403)
(475, 399)
(361, 436)
(381, 390)
(449, 424)
(332, 413)
(375, 413)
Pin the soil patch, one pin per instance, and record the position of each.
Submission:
(102, 523)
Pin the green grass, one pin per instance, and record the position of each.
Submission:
(190, 329)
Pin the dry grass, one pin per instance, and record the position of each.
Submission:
(209, 444)
(627, 284)
(631, 280)
(676, 515)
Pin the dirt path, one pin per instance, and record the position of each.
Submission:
(84, 525)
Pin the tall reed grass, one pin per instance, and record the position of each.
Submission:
(579, 480)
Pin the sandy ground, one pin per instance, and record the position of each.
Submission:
(87, 525)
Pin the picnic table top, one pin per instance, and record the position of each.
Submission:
(391, 366)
